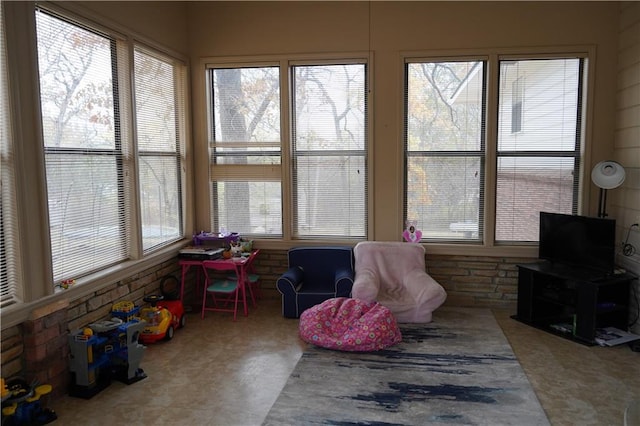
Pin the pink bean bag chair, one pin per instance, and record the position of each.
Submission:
(347, 324)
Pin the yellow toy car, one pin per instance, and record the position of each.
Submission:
(163, 317)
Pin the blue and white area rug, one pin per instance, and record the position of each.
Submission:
(458, 369)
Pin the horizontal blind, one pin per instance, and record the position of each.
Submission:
(329, 150)
(82, 141)
(444, 147)
(159, 120)
(539, 121)
(245, 142)
(10, 289)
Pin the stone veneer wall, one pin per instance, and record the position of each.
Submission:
(38, 349)
(489, 282)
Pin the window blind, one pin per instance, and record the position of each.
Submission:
(329, 150)
(537, 166)
(444, 146)
(159, 125)
(246, 151)
(10, 290)
(83, 140)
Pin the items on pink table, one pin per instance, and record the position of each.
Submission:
(346, 324)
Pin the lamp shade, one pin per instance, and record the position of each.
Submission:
(608, 174)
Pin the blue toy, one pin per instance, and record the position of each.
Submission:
(22, 404)
(105, 350)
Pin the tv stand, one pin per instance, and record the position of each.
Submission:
(570, 302)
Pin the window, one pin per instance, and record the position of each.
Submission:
(159, 125)
(326, 147)
(102, 171)
(329, 139)
(537, 145)
(538, 167)
(83, 142)
(445, 104)
(10, 293)
(245, 159)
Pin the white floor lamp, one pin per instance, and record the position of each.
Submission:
(606, 175)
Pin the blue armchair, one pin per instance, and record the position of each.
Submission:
(315, 274)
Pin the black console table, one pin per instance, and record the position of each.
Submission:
(571, 302)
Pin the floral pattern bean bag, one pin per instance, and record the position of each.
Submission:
(347, 324)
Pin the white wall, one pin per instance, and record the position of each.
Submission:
(390, 29)
(625, 206)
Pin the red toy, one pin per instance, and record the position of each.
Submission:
(163, 317)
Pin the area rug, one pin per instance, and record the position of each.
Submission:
(458, 369)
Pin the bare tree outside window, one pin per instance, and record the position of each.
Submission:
(329, 141)
(444, 148)
(246, 140)
(158, 129)
(82, 152)
(328, 169)
(537, 148)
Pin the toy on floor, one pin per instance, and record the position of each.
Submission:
(105, 350)
(162, 318)
(22, 404)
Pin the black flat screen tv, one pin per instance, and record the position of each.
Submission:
(578, 241)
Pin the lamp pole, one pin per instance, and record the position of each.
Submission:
(602, 202)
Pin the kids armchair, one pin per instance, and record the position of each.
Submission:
(315, 274)
(394, 274)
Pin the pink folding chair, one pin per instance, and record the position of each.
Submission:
(223, 291)
(252, 280)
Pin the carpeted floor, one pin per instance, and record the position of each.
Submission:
(458, 369)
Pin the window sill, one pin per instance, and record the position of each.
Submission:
(519, 251)
(20, 312)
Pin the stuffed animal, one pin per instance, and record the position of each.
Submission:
(236, 249)
(411, 234)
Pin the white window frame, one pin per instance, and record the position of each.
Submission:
(68, 263)
(243, 173)
(471, 233)
(180, 134)
(488, 245)
(512, 222)
(10, 261)
(35, 283)
(298, 155)
(283, 172)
